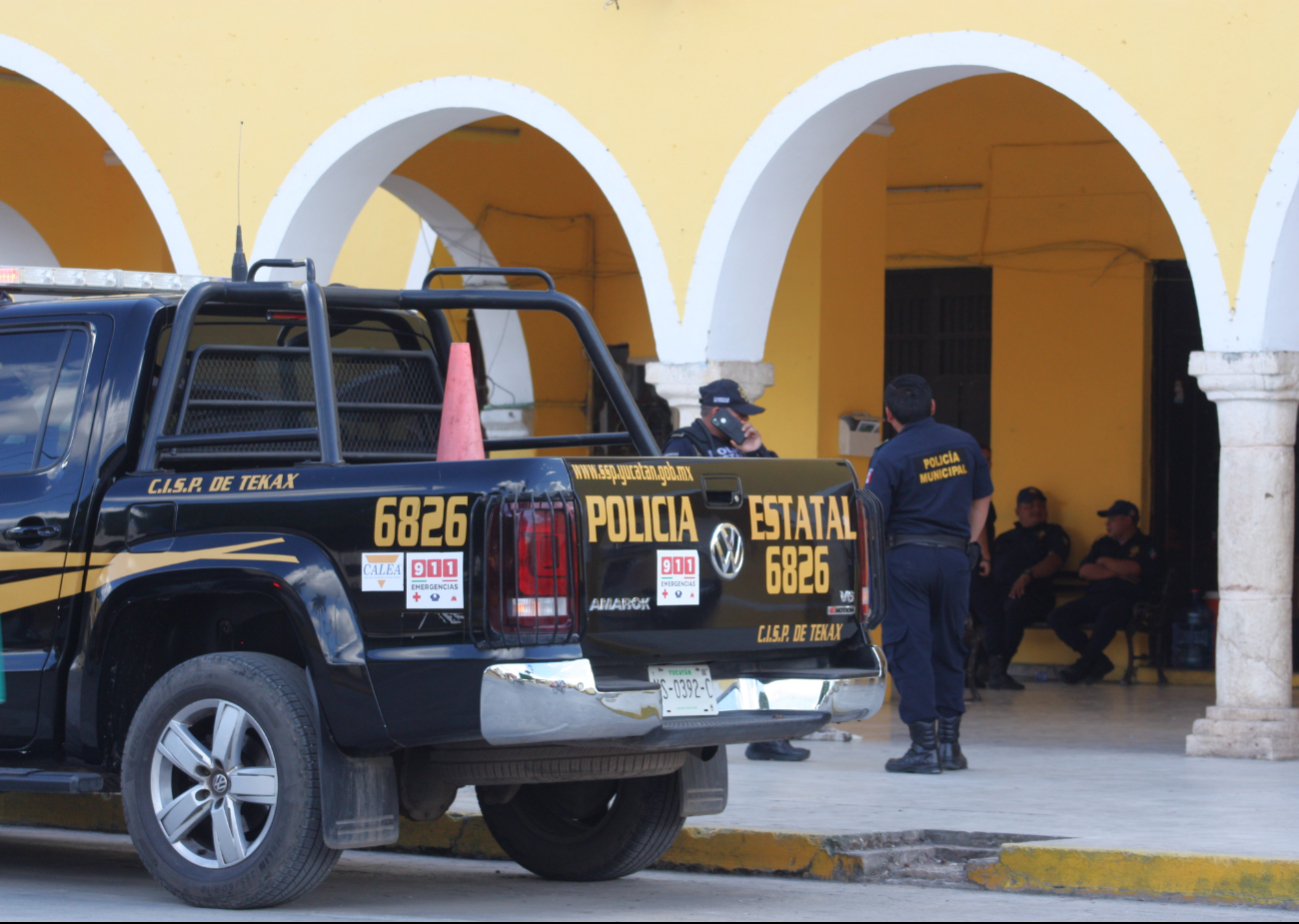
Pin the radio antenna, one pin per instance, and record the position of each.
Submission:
(239, 266)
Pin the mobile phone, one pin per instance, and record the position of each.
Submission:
(729, 424)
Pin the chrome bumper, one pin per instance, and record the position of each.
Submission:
(554, 701)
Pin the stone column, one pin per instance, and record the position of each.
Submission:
(1257, 396)
(678, 383)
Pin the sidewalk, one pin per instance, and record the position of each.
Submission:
(1102, 764)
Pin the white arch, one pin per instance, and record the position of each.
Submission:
(1267, 302)
(20, 243)
(36, 65)
(324, 192)
(743, 246)
(505, 352)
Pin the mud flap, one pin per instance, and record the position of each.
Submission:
(358, 796)
(704, 782)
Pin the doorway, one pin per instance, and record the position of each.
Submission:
(938, 324)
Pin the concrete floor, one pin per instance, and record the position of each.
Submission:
(1104, 764)
(54, 875)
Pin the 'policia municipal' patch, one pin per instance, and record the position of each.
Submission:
(950, 463)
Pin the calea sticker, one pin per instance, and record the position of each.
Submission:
(383, 571)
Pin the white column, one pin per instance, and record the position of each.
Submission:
(1257, 396)
(678, 383)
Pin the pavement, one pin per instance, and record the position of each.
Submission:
(1104, 765)
(1095, 779)
(79, 876)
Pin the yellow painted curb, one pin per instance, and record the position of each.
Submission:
(738, 850)
(1142, 873)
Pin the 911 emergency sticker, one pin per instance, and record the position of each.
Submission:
(435, 581)
(382, 570)
(678, 578)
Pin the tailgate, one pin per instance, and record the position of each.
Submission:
(717, 558)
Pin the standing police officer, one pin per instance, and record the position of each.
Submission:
(934, 485)
(703, 438)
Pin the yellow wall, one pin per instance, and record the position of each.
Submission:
(826, 337)
(1068, 222)
(52, 172)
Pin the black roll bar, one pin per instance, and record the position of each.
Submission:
(431, 303)
(313, 299)
(284, 262)
(487, 271)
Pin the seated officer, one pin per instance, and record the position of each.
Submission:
(1121, 570)
(702, 438)
(1024, 560)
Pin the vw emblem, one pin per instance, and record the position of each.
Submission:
(727, 548)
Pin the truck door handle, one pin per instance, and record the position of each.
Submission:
(31, 533)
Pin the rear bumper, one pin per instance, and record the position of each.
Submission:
(558, 701)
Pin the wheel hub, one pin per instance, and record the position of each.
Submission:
(214, 783)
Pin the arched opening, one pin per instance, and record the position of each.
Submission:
(525, 187)
(72, 169)
(989, 214)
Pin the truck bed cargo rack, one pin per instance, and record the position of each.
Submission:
(313, 303)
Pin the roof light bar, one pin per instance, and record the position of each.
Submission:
(59, 280)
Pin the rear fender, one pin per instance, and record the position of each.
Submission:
(292, 571)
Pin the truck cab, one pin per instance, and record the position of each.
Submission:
(240, 587)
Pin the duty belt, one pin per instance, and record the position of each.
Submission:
(930, 540)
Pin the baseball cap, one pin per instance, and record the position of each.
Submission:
(1028, 495)
(728, 394)
(1121, 508)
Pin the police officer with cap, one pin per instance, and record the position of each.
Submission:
(933, 483)
(705, 438)
(1121, 570)
(1024, 560)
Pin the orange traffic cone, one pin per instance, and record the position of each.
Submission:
(461, 437)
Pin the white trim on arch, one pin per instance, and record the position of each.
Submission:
(505, 351)
(20, 243)
(327, 188)
(1267, 302)
(744, 242)
(36, 65)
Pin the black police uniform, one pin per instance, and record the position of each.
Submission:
(927, 477)
(985, 604)
(1108, 603)
(1015, 552)
(696, 440)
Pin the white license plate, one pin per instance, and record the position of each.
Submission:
(687, 689)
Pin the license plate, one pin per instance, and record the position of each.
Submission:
(686, 689)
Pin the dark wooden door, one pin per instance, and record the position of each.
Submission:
(938, 323)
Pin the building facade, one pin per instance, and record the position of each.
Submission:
(1079, 220)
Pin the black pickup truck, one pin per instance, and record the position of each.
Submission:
(237, 586)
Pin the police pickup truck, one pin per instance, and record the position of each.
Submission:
(238, 586)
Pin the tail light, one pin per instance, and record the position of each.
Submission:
(870, 551)
(532, 570)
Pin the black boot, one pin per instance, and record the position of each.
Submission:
(775, 750)
(922, 756)
(949, 744)
(998, 679)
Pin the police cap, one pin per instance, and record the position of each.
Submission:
(1121, 508)
(1028, 495)
(728, 394)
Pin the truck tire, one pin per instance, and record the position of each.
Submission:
(221, 783)
(587, 831)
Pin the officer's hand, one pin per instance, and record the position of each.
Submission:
(752, 439)
(985, 568)
(1017, 589)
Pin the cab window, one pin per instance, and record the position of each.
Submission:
(40, 379)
